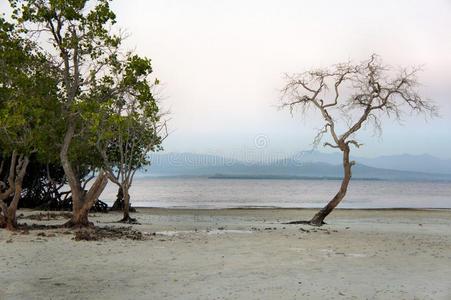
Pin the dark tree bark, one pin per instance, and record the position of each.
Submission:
(17, 173)
(319, 217)
(119, 203)
(126, 208)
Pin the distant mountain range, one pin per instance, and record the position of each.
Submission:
(308, 164)
(424, 163)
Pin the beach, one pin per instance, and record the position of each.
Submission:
(235, 254)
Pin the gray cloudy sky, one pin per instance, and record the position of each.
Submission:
(221, 63)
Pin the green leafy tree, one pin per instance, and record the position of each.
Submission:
(129, 125)
(84, 51)
(28, 99)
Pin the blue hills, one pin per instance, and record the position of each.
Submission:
(307, 164)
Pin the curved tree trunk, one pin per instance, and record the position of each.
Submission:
(126, 204)
(119, 203)
(81, 201)
(318, 219)
(8, 213)
(80, 212)
(78, 218)
(126, 208)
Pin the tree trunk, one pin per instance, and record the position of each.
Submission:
(8, 218)
(87, 200)
(73, 181)
(3, 214)
(11, 176)
(126, 208)
(79, 219)
(126, 203)
(119, 203)
(318, 219)
(81, 201)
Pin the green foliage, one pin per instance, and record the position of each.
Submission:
(71, 16)
(29, 107)
(128, 124)
(81, 79)
(82, 53)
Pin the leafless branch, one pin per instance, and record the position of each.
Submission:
(374, 86)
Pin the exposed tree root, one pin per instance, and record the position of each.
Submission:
(78, 225)
(119, 205)
(129, 220)
(303, 222)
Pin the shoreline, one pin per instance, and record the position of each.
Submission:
(299, 178)
(294, 208)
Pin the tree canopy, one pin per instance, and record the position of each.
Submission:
(72, 95)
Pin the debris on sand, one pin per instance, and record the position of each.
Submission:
(43, 234)
(27, 227)
(48, 216)
(100, 233)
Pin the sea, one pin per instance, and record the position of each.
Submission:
(209, 193)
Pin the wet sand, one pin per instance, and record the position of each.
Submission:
(236, 254)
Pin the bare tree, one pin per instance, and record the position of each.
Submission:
(349, 97)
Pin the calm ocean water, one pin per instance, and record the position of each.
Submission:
(228, 193)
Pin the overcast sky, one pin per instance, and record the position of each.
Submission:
(221, 64)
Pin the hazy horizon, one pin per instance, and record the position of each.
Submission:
(270, 156)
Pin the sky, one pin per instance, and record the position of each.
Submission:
(221, 64)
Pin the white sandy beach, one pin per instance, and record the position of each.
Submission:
(236, 254)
